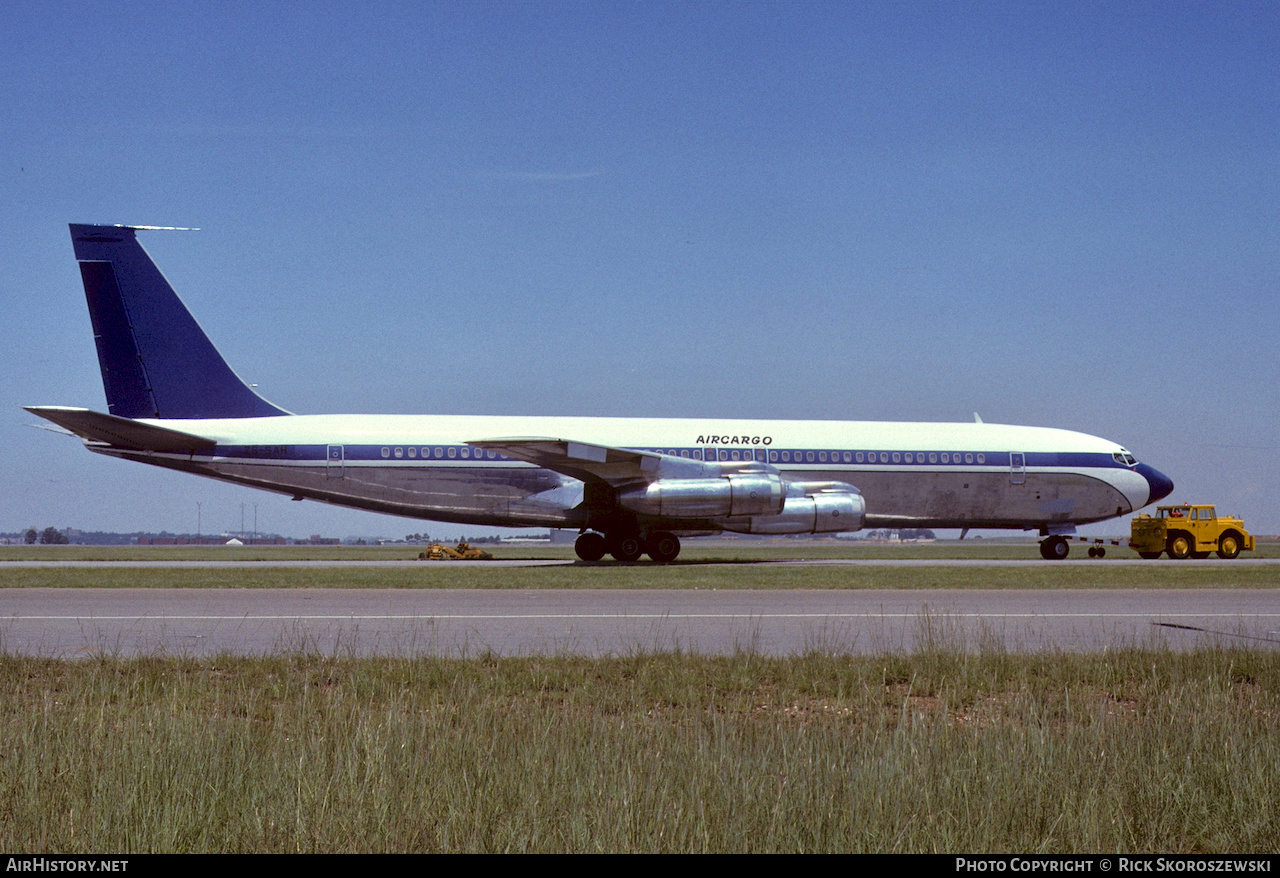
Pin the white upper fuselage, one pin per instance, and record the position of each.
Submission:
(927, 474)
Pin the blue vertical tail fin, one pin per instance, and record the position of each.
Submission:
(156, 361)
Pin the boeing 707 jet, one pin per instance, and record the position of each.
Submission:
(630, 486)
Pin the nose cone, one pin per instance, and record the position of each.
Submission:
(1158, 483)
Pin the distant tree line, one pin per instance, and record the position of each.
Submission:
(50, 536)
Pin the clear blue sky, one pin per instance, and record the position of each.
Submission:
(1057, 214)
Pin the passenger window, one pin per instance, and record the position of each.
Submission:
(884, 457)
(968, 458)
(808, 455)
(413, 452)
(386, 452)
(982, 458)
(858, 457)
(822, 456)
(453, 452)
(439, 453)
(848, 457)
(933, 457)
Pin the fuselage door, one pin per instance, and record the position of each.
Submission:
(1017, 468)
(334, 464)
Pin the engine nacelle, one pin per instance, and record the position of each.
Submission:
(733, 495)
(833, 512)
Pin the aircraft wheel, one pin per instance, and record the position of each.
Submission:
(1150, 556)
(1228, 546)
(627, 548)
(1179, 546)
(1093, 551)
(663, 547)
(590, 547)
(1054, 549)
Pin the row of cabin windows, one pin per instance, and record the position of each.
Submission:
(466, 453)
(877, 457)
(451, 453)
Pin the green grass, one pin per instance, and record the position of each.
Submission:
(677, 576)
(701, 566)
(1131, 751)
(694, 551)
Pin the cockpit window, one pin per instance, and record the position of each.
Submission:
(1124, 458)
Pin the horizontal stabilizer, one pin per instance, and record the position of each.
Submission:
(121, 432)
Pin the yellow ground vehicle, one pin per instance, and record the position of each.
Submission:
(1188, 531)
(463, 552)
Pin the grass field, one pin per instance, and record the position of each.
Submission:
(694, 552)
(940, 751)
(700, 567)
(647, 576)
(943, 750)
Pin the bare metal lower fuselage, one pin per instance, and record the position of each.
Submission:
(1061, 479)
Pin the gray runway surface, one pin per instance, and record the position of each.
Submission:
(198, 622)
(793, 562)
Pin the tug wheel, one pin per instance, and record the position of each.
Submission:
(1228, 546)
(1179, 546)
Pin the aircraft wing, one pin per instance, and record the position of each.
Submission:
(121, 432)
(588, 462)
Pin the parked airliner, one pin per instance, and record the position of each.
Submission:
(630, 486)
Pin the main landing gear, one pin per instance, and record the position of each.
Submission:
(661, 546)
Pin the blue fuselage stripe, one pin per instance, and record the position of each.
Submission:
(797, 457)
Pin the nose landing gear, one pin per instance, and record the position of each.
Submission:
(1054, 548)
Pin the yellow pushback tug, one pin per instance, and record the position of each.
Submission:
(464, 552)
(1188, 531)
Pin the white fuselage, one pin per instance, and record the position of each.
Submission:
(910, 474)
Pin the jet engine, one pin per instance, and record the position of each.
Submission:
(810, 508)
(737, 494)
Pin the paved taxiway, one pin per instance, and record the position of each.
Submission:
(82, 622)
